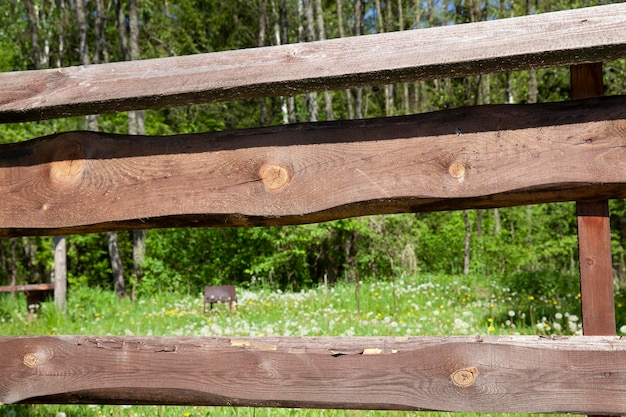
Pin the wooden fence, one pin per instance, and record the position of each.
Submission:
(488, 156)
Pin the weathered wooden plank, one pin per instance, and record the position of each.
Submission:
(546, 40)
(488, 156)
(594, 233)
(596, 268)
(490, 374)
(27, 287)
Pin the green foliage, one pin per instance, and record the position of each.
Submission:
(508, 241)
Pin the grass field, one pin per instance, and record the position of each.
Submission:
(420, 306)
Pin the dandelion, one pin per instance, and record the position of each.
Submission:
(490, 319)
(558, 316)
(531, 298)
(511, 313)
(622, 329)
(491, 328)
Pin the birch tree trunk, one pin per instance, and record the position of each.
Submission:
(262, 15)
(136, 126)
(321, 35)
(91, 120)
(119, 284)
(348, 92)
(358, 30)
(60, 272)
(41, 57)
(466, 246)
(309, 36)
(405, 86)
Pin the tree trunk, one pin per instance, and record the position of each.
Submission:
(139, 256)
(497, 221)
(121, 29)
(405, 86)
(136, 126)
(101, 53)
(262, 15)
(30, 250)
(468, 235)
(91, 121)
(289, 103)
(13, 262)
(321, 35)
(119, 284)
(60, 272)
(358, 30)
(388, 89)
(309, 36)
(34, 33)
(347, 91)
(532, 73)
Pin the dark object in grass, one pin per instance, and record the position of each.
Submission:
(220, 293)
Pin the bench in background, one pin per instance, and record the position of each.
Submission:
(35, 293)
(220, 293)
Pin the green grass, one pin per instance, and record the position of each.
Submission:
(416, 306)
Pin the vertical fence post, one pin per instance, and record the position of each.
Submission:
(594, 234)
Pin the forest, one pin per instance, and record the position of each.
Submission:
(41, 34)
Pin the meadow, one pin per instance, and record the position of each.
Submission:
(408, 305)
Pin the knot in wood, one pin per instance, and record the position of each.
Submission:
(274, 176)
(30, 360)
(68, 163)
(464, 377)
(456, 170)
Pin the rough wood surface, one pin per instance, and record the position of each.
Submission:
(538, 41)
(488, 156)
(46, 286)
(490, 374)
(596, 268)
(594, 231)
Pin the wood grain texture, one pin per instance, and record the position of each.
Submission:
(490, 374)
(488, 156)
(538, 41)
(28, 287)
(594, 231)
(596, 269)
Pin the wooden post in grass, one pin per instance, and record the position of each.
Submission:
(594, 235)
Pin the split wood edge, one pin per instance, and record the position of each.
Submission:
(458, 373)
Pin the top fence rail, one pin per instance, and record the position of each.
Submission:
(538, 41)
